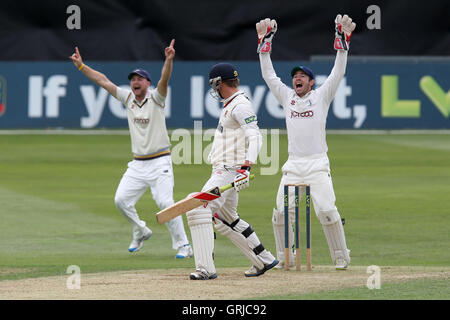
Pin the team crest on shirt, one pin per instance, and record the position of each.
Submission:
(292, 102)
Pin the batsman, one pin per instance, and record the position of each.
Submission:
(306, 110)
(236, 145)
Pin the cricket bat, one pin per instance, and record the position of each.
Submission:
(196, 200)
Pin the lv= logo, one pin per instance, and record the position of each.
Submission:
(392, 106)
(435, 93)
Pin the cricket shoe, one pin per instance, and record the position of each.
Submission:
(341, 263)
(137, 244)
(255, 272)
(202, 274)
(184, 252)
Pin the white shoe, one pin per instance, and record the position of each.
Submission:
(184, 252)
(202, 274)
(255, 272)
(341, 264)
(137, 244)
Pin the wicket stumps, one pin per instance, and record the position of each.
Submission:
(297, 226)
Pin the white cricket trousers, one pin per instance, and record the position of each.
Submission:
(225, 208)
(156, 174)
(313, 170)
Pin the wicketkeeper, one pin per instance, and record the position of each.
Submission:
(306, 112)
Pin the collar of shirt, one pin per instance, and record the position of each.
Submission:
(229, 99)
(147, 96)
(306, 96)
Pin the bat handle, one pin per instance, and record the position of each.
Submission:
(231, 185)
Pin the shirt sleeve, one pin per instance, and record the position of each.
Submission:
(248, 121)
(158, 98)
(123, 95)
(276, 86)
(330, 86)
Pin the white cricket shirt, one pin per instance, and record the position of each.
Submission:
(305, 116)
(147, 123)
(237, 137)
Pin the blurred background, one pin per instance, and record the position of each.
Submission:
(397, 73)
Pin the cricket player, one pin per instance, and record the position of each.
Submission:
(150, 144)
(306, 112)
(235, 148)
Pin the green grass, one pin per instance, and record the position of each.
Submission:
(423, 289)
(57, 208)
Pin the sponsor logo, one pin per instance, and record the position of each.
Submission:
(2, 95)
(306, 114)
(250, 119)
(141, 120)
(292, 102)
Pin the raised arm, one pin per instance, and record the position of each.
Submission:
(266, 29)
(97, 77)
(344, 29)
(166, 71)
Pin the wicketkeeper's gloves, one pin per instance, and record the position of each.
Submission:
(265, 29)
(344, 29)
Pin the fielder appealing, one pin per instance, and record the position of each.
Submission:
(236, 145)
(306, 111)
(150, 144)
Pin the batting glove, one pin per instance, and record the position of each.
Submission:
(242, 179)
(265, 29)
(344, 29)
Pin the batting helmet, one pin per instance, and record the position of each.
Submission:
(225, 71)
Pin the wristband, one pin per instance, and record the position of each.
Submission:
(81, 67)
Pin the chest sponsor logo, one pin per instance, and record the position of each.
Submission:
(306, 114)
(141, 120)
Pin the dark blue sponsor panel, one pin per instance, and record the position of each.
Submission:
(375, 94)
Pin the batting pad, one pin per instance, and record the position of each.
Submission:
(278, 231)
(334, 233)
(202, 234)
(239, 240)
